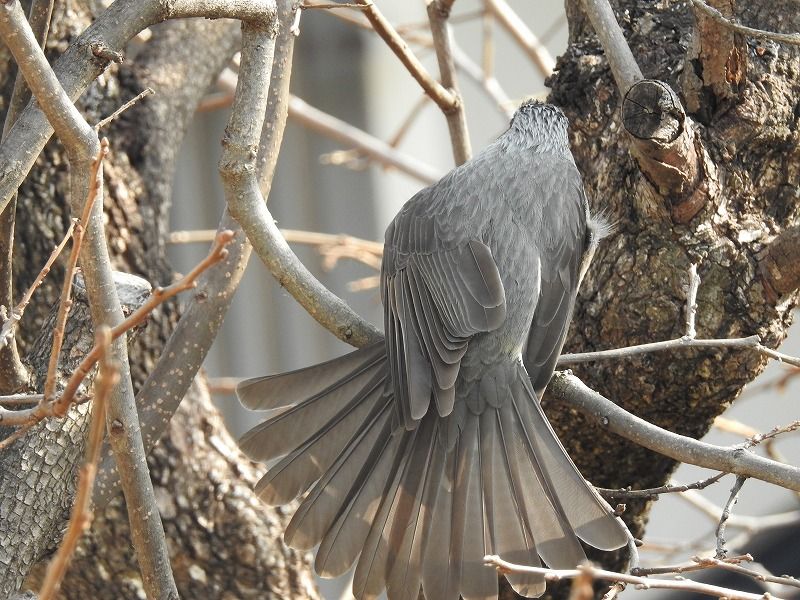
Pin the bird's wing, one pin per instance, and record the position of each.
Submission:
(436, 296)
(562, 245)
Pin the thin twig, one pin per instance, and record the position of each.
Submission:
(536, 51)
(65, 301)
(735, 567)
(20, 399)
(143, 94)
(752, 342)
(644, 583)
(438, 11)
(713, 13)
(331, 246)
(665, 489)
(726, 513)
(697, 564)
(13, 319)
(691, 302)
(81, 517)
(443, 97)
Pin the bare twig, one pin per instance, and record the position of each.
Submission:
(438, 11)
(752, 342)
(444, 98)
(691, 302)
(697, 564)
(689, 340)
(713, 13)
(65, 301)
(722, 552)
(15, 316)
(665, 489)
(81, 517)
(343, 132)
(331, 246)
(21, 399)
(735, 567)
(644, 583)
(567, 388)
(536, 51)
(143, 94)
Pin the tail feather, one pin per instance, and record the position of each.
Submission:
(405, 537)
(510, 536)
(369, 579)
(544, 519)
(287, 430)
(586, 511)
(437, 576)
(422, 506)
(476, 581)
(316, 513)
(344, 539)
(295, 473)
(286, 389)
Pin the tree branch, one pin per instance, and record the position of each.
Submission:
(82, 146)
(438, 11)
(81, 517)
(784, 38)
(247, 206)
(570, 390)
(89, 55)
(536, 51)
(444, 98)
(640, 582)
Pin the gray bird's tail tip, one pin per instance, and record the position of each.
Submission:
(421, 508)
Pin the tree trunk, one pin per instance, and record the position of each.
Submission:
(635, 291)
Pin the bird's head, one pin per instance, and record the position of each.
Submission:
(540, 125)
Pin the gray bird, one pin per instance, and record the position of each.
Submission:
(428, 450)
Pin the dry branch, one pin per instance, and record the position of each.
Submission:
(247, 206)
(444, 98)
(784, 38)
(536, 51)
(570, 390)
(438, 11)
(81, 517)
(643, 583)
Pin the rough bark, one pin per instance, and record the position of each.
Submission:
(636, 290)
(223, 542)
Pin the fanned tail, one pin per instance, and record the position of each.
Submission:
(420, 508)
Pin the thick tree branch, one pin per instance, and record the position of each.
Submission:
(661, 136)
(88, 57)
(247, 205)
(571, 391)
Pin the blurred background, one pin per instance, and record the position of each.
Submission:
(349, 73)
